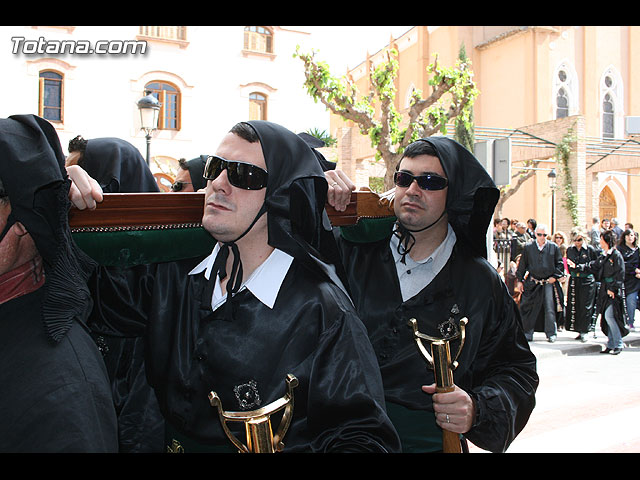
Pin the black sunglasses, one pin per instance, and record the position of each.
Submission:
(240, 174)
(541, 234)
(429, 181)
(177, 186)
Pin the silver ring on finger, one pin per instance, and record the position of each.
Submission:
(447, 418)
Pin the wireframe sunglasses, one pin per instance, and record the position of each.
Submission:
(240, 174)
(429, 181)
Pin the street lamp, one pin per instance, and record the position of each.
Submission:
(149, 110)
(552, 185)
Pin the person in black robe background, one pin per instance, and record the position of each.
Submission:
(114, 163)
(609, 267)
(539, 269)
(628, 248)
(496, 378)
(119, 167)
(190, 175)
(55, 389)
(244, 349)
(581, 294)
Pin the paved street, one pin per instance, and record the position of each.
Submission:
(587, 402)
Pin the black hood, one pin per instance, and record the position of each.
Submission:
(296, 195)
(195, 166)
(35, 179)
(295, 198)
(315, 143)
(117, 166)
(471, 196)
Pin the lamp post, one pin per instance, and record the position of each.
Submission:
(552, 185)
(149, 108)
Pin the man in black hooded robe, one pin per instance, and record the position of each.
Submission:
(431, 265)
(55, 390)
(539, 269)
(190, 175)
(114, 163)
(284, 311)
(118, 167)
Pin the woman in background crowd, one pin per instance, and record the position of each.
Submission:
(582, 287)
(561, 286)
(628, 247)
(610, 303)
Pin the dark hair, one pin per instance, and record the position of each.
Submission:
(533, 223)
(183, 164)
(623, 238)
(245, 131)
(610, 238)
(417, 148)
(77, 144)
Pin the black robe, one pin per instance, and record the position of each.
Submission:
(55, 392)
(496, 366)
(581, 294)
(312, 332)
(539, 265)
(56, 396)
(119, 167)
(609, 269)
(631, 262)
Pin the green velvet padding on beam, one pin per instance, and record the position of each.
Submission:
(137, 247)
(368, 229)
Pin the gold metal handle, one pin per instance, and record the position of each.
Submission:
(259, 434)
(439, 359)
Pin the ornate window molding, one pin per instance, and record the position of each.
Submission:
(611, 103)
(565, 91)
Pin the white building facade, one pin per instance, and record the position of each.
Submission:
(207, 78)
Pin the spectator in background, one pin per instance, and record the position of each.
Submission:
(512, 227)
(506, 227)
(615, 226)
(531, 227)
(519, 240)
(594, 234)
(606, 225)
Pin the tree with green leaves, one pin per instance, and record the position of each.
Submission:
(464, 128)
(375, 113)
